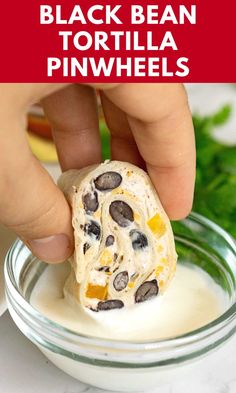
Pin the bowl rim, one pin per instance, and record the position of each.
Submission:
(144, 345)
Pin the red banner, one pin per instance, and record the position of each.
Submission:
(128, 41)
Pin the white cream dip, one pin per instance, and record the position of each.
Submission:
(192, 300)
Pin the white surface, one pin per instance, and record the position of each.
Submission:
(23, 369)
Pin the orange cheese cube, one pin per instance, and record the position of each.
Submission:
(106, 258)
(157, 225)
(96, 291)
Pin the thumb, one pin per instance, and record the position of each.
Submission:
(31, 204)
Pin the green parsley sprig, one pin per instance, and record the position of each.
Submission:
(215, 190)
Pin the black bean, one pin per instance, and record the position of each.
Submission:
(93, 229)
(146, 291)
(110, 305)
(108, 181)
(120, 281)
(109, 240)
(86, 246)
(138, 239)
(105, 269)
(90, 201)
(121, 213)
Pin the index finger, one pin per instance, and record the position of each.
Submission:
(161, 123)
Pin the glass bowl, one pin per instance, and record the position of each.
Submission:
(130, 366)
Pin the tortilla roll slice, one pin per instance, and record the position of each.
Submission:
(124, 245)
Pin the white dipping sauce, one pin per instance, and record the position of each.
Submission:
(192, 300)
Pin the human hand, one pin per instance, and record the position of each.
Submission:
(150, 126)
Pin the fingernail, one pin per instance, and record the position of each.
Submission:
(56, 248)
